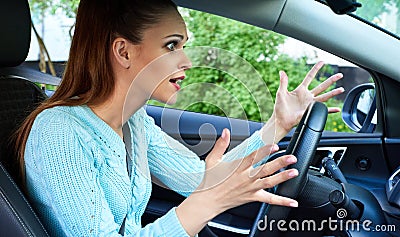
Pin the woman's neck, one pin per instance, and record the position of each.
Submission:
(116, 110)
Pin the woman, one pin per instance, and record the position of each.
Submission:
(88, 151)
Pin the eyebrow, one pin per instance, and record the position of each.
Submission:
(177, 35)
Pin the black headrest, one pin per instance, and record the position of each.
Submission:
(15, 32)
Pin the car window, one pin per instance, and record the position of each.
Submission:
(236, 65)
(208, 87)
(383, 13)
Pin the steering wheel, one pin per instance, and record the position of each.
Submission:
(303, 145)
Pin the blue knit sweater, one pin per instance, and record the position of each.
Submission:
(77, 177)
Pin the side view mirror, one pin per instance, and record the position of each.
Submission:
(359, 108)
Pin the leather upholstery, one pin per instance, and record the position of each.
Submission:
(15, 32)
(18, 96)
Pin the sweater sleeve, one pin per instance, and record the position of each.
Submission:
(165, 226)
(64, 176)
(249, 145)
(179, 168)
(170, 162)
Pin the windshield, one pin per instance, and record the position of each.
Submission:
(384, 13)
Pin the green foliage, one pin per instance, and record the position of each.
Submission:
(233, 93)
(227, 85)
(42, 7)
(249, 44)
(334, 122)
(372, 10)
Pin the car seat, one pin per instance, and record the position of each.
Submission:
(18, 96)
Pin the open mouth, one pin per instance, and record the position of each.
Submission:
(176, 82)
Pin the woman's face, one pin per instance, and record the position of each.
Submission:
(160, 62)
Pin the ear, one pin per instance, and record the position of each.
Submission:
(121, 52)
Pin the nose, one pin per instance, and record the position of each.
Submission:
(185, 62)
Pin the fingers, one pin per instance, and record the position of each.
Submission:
(283, 81)
(219, 149)
(258, 155)
(271, 181)
(326, 84)
(273, 166)
(265, 180)
(264, 196)
(311, 74)
(334, 109)
(326, 96)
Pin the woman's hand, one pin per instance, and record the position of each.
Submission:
(229, 184)
(237, 182)
(290, 106)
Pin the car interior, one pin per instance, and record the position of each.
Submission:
(18, 96)
(358, 172)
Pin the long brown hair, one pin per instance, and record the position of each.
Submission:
(88, 77)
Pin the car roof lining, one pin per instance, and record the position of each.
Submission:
(262, 13)
(341, 35)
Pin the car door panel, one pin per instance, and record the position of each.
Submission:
(363, 162)
(199, 132)
(392, 149)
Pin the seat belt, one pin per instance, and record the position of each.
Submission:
(128, 147)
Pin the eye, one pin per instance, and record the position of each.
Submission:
(171, 46)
